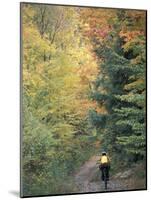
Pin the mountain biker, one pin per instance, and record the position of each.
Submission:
(104, 163)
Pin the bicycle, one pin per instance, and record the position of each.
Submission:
(104, 171)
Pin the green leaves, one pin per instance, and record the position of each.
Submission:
(83, 81)
(120, 85)
(58, 68)
(133, 144)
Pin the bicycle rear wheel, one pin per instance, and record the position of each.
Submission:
(105, 181)
(105, 178)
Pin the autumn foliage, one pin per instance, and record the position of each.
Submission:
(83, 90)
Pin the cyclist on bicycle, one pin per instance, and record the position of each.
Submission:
(104, 163)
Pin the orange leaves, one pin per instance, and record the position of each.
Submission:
(132, 39)
(97, 22)
(129, 35)
(86, 105)
(88, 72)
(101, 110)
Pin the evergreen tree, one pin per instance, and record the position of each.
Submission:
(120, 88)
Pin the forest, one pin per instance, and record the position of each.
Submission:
(83, 91)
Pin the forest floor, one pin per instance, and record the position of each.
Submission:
(88, 179)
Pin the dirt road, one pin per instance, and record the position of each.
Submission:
(88, 178)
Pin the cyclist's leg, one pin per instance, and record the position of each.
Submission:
(107, 172)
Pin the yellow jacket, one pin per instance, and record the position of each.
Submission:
(104, 159)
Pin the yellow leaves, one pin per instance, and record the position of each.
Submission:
(28, 14)
(32, 38)
(63, 130)
(88, 65)
(40, 68)
(59, 86)
(26, 75)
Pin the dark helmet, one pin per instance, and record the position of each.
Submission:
(104, 153)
